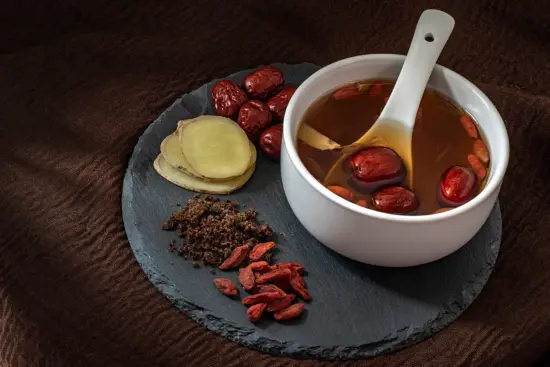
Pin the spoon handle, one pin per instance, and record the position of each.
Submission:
(432, 32)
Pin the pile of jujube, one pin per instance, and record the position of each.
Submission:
(258, 106)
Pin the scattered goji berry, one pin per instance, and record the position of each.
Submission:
(289, 312)
(480, 150)
(477, 166)
(273, 275)
(262, 288)
(289, 265)
(258, 265)
(297, 283)
(469, 126)
(246, 278)
(256, 311)
(226, 286)
(236, 258)
(280, 304)
(265, 297)
(260, 250)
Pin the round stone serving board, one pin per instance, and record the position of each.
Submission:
(357, 310)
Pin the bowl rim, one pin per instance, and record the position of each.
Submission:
(491, 186)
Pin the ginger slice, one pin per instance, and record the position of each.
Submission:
(215, 147)
(189, 182)
(171, 152)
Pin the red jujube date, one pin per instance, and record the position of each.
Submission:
(395, 200)
(377, 167)
(457, 186)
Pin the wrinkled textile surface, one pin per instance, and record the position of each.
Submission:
(80, 81)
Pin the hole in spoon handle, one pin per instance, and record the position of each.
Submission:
(432, 32)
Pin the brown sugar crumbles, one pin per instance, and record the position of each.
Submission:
(212, 228)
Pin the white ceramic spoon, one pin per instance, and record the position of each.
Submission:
(394, 126)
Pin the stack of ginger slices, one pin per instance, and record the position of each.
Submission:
(207, 154)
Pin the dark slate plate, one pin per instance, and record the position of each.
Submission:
(358, 310)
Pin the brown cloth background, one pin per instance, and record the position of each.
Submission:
(80, 81)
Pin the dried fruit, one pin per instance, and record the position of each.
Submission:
(264, 81)
(480, 150)
(258, 265)
(291, 265)
(260, 250)
(297, 283)
(442, 210)
(362, 203)
(254, 116)
(228, 97)
(256, 311)
(226, 286)
(280, 304)
(289, 312)
(469, 125)
(346, 92)
(457, 186)
(273, 275)
(342, 192)
(262, 288)
(246, 278)
(236, 258)
(377, 167)
(477, 166)
(265, 297)
(375, 89)
(395, 200)
(278, 104)
(270, 141)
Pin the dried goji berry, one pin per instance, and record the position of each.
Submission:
(297, 283)
(236, 258)
(289, 265)
(283, 283)
(280, 304)
(260, 249)
(362, 203)
(480, 150)
(258, 265)
(477, 166)
(289, 312)
(341, 191)
(273, 275)
(226, 286)
(375, 89)
(346, 92)
(469, 126)
(262, 288)
(246, 278)
(256, 311)
(265, 297)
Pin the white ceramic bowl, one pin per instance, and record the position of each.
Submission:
(378, 238)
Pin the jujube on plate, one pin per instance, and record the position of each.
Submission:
(270, 141)
(278, 103)
(254, 117)
(228, 97)
(263, 82)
